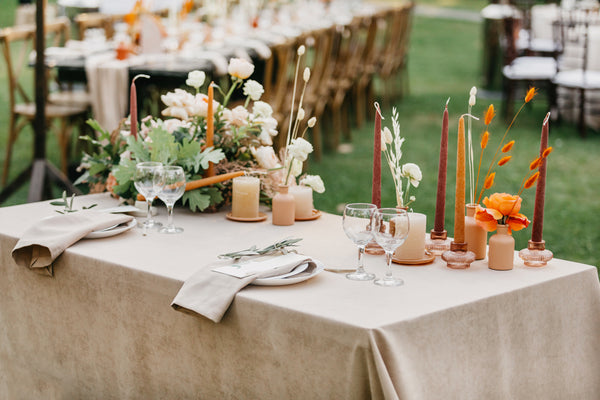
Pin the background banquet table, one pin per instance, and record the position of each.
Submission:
(103, 327)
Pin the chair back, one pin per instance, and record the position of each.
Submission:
(579, 34)
(96, 21)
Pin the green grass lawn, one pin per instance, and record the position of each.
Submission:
(445, 61)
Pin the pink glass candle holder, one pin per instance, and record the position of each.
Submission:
(438, 242)
(536, 255)
(458, 257)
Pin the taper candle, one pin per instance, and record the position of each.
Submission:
(376, 189)
(440, 204)
(210, 127)
(133, 105)
(540, 191)
(459, 205)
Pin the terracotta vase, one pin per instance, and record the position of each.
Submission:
(502, 248)
(475, 235)
(283, 207)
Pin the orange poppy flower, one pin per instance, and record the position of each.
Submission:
(506, 204)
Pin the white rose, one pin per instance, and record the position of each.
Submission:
(313, 181)
(240, 68)
(265, 157)
(262, 109)
(413, 173)
(268, 125)
(195, 79)
(171, 125)
(300, 149)
(253, 89)
(175, 112)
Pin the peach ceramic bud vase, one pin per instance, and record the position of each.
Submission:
(283, 207)
(502, 250)
(475, 235)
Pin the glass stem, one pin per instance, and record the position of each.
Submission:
(388, 259)
(361, 253)
(170, 215)
(149, 214)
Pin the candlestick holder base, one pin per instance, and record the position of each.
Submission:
(458, 257)
(374, 249)
(536, 255)
(438, 242)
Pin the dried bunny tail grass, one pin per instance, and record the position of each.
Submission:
(506, 148)
(484, 139)
(489, 115)
(535, 164)
(489, 182)
(532, 179)
(530, 94)
(547, 152)
(504, 160)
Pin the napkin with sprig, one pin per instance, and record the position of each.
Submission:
(45, 240)
(211, 290)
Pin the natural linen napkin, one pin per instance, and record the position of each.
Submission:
(209, 292)
(47, 239)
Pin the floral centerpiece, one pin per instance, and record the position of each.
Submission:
(242, 141)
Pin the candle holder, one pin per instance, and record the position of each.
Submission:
(374, 249)
(458, 257)
(438, 242)
(536, 255)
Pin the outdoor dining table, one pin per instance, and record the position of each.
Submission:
(103, 327)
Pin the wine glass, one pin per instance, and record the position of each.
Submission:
(174, 186)
(357, 226)
(148, 181)
(390, 229)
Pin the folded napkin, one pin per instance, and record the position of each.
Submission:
(45, 240)
(209, 292)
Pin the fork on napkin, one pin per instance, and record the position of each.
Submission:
(211, 290)
(45, 240)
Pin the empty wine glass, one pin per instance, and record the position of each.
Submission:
(390, 229)
(357, 226)
(174, 186)
(148, 181)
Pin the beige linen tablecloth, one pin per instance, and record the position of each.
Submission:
(103, 328)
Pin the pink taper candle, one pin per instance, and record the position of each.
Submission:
(133, 105)
(440, 204)
(540, 191)
(376, 192)
(210, 127)
(459, 206)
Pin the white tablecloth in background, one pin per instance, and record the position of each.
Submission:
(103, 326)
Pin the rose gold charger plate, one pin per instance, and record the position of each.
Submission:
(427, 258)
(261, 217)
(315, 214)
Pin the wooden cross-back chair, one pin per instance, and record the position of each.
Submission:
(96, 21)
(17, 43)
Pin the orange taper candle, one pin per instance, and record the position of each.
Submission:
(210, 127)
(459, 205)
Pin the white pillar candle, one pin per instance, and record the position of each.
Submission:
(303, 197)
(246, 190)
(414, 246)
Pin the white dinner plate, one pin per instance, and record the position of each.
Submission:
(290, 280)
(112, 231)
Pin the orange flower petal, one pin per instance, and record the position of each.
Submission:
(517, 222)
(485, 219)
(484, 139)
(504, 160)
(489, 115)
(547, 152)
(535, 163)
(505, 203)
(530, 94)
(506, 148)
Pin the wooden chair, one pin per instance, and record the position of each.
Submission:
(96, 21)
(16, 46)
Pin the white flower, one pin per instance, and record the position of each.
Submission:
(175, 112)
(172, 124)
(300, 115)
(262, 109)
(301, 50)
(195, 79)
(296, 169)
(253, 89)
(239, 116)
(267, 125)
(265, 138)
(413, 173)
(265, 157)
(240, 68)
(306, 75)
(473, 91)
(472, 100)
(299, 149)
(311, 122)
(313, 181)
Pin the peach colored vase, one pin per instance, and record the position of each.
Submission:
(475, 236)
(283, 207)
(502, 250)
